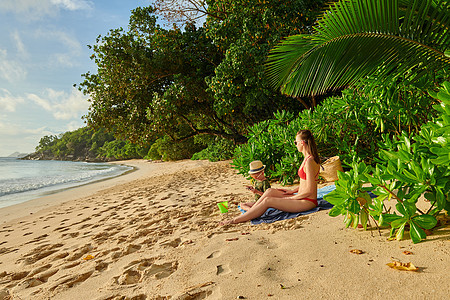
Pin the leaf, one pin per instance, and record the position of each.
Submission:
(364, 217)
(347, 220)
(356, 251)
(417, 234)
(336, 197)
(407, 252)
(425, 221)
(355, 39)
(388, 218)
(88, 257)
(403, 266)
(355, 220)
(335, 211)
(400, 232)
(399, 222)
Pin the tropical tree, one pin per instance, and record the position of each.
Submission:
(358, 38)
(192, 81)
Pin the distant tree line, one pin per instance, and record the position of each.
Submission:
(87, 144)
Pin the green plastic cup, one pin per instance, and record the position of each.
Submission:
(223, 206)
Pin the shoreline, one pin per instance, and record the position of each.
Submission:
(62, 195)
(36, 194)
(154, 234)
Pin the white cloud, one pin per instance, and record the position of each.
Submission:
(73, 4)
(15, 137)
(27, 9)
(19, 44)
(30, 10)
(74, 48)
(9, 69)
(62, 105)
(8, 102)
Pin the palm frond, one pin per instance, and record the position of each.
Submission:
(356, 38)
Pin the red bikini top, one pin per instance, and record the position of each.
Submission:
(302, 173)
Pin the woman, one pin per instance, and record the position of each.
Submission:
(300, 199)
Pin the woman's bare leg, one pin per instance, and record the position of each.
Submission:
(288, 205)
(268, 193)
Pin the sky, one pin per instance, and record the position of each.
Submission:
(43, 52)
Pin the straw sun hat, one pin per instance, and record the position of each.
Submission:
(256, 167)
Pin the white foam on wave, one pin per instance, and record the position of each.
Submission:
(53, 176)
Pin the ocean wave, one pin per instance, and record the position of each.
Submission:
(50, 176)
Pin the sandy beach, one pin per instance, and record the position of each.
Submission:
(154, 234)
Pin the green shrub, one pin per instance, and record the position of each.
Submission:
(217, 148)
(166, 149)
(119, 149)
(353, 126)
(271, 142)
(417, 167)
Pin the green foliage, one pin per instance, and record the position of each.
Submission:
(164, 148)
(417, 167)
(46, 142)
(353, 126)
(82, 144)
(271, 142)
(121, 150)
(88, 144)
(216, 148)
(153, 82)
(355, 39)
(244, 31)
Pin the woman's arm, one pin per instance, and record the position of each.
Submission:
(290, 192)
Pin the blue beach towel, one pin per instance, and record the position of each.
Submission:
(271, 215)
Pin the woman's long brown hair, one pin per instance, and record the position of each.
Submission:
(306, 135)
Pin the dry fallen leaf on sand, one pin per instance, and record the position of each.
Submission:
(233, 239)
(402, 266)
(357, 251)
(407, 252)
(88, 257)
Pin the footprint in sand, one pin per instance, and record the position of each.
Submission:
(214, 254)
(71, 281)
(37, 280)
(39, 253)
(101, 266)
(222, 270)
(61, 255)
(146, 268)
(171, 243)
(197, 294)
(70, 235)
(131, 249)
(39, 270)
(129, 277)
(69, 266)
(160, 271)
(81, 251)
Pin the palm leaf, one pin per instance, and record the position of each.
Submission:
(356, 38)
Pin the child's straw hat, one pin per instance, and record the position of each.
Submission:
(256, 167)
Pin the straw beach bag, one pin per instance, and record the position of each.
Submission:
(328, 170)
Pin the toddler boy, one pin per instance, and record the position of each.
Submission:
(261, 182)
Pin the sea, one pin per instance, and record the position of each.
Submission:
(23, 180)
